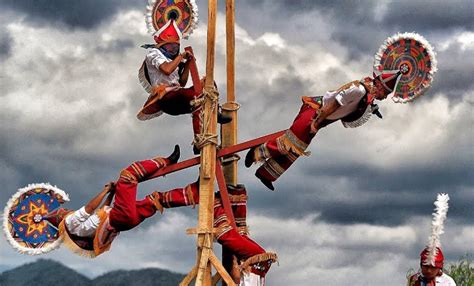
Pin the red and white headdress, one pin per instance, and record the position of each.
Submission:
(169, 33)
(183, 14)
(413, 57)
(432, 254)
(389, 79)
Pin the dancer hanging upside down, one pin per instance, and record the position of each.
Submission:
(404, 66)
(352, 104)
(90, 232)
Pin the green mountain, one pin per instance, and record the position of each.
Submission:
(43, 272)
(49, 272)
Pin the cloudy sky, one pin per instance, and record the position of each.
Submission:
(356, 212)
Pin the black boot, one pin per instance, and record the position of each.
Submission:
(174, 157)
(223, 118)
(249, 157)
(266, 182)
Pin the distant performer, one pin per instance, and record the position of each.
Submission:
(432, 258)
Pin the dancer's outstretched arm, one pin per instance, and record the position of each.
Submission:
(95, 202)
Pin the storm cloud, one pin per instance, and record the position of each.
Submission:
(365, 195)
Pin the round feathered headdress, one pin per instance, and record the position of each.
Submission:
(25, 219)
(432, 254)
(413, 57)
(160, 13)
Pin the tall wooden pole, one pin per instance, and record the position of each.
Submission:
(229, 131)
(208, 160)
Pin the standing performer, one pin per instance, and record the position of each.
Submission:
(432, 258)
(406, 75)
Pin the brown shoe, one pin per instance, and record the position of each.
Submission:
(155, 199)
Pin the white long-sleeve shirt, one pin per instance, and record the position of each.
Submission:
(348, 98)
(153, 60)
(81, 223)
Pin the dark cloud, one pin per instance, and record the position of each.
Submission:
(84, 14)
(430, 15)
(5, 43)
(375, 197)
(117, 46)
(454, 72)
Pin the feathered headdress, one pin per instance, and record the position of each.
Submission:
(411, 55)
(183, 14)
(25, 219)
(432, 254)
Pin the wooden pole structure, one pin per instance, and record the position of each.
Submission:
(229, 130)
(205, 256)
(208, 160)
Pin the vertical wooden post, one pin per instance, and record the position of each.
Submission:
(229, 131)
(208, 161)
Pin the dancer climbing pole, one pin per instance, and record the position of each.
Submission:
(404, 67)
(165, 71)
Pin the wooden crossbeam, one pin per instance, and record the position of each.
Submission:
(221, 153)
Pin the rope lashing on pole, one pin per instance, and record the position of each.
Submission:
(202, 139)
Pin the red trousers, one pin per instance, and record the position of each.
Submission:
(127, 212)
(280, 153)
(179, 102)
(239, 243)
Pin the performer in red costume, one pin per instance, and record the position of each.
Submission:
(90, 233)
(352, 103)
(431, 272)
(164, 75)
(254, 261)
(404, 66)
(432, 258)
(90, 230)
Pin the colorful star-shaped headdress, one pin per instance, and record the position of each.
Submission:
(26, 223)
(164, 16)
(407, 63)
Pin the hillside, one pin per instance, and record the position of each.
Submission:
(50, 272)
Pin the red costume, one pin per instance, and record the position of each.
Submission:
(166, 93)
(253, 256)
(355, 107)
(127, 213)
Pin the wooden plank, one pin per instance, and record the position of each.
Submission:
(208, 156)
(229, 130)
(189, 278)
(221, 153)
(225, 196)
(221, 270)
(194, 72)
(216, 278)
